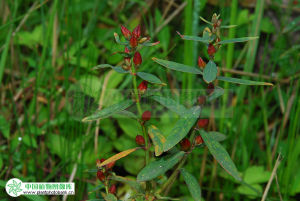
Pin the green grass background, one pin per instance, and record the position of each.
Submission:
(47, 84)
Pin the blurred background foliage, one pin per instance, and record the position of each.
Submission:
(49, 47)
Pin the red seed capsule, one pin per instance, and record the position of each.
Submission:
(102, 160)
(146, 116)
(140, 140)
(211, 50)
(201, 100)
(201, 63)
(137, 59)
(100, 176)
(202, 123)
(143, 87)
(112, 189)
(137, 31)
(185, 144)
(133, 42)
(198, 140)
(210, 88)
(126, 33)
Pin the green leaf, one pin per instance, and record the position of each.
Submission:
(220, 154)
(216, 136)
(237, 40)
(4, 127)
(149, 44)
(256, 175)
(195, 38)
(111, 197)
(227, 26)
(117, 38)
(159, 167)
(157, 138)
(149, 77)
(210, 72)
(218, 91)
(170, 104)
(182, 127)
(192, 184)
(177, 66)
(108, 111)
(134, 184)
(241, 81)
(118, 69)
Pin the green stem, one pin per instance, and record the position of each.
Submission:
(172, 178)
(138, 105)
(136, 93)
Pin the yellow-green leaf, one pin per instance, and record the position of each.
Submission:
(157, 138)
(117, 156)
(210, 72)
(237, 40)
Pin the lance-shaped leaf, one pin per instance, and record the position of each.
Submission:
(109, 111)
(237, 40)
(192, 184)
(134, 184)
(159, 167)
(195, 38)
(149, 78)
(117, 156)
(170, 104)
(218, 91)
(182, 127)
(117, 38)
(242, 81)
(228, 26)
(216, 136)
(157, 138)
(177, 66)
(149, 44)
(118, 69)
(210, 72)
(220, 154)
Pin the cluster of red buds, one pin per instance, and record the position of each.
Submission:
(146, 116)
(210, 88)
(103, 174)
(134, 39)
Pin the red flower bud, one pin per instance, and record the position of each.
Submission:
(137, 31)
(127, 50)
(185, 144)
(140, 140)
(201, 100)
(112, 189)
(133, 42)
(126, 33)
(211, 50)
(143, 87)
(198, 140)
(201, 63)
(102, 160)
(137, 59)
(100, 176)
(202, 123)
(146, 116)
(210, 88)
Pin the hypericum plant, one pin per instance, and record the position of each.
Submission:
(190, 131)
